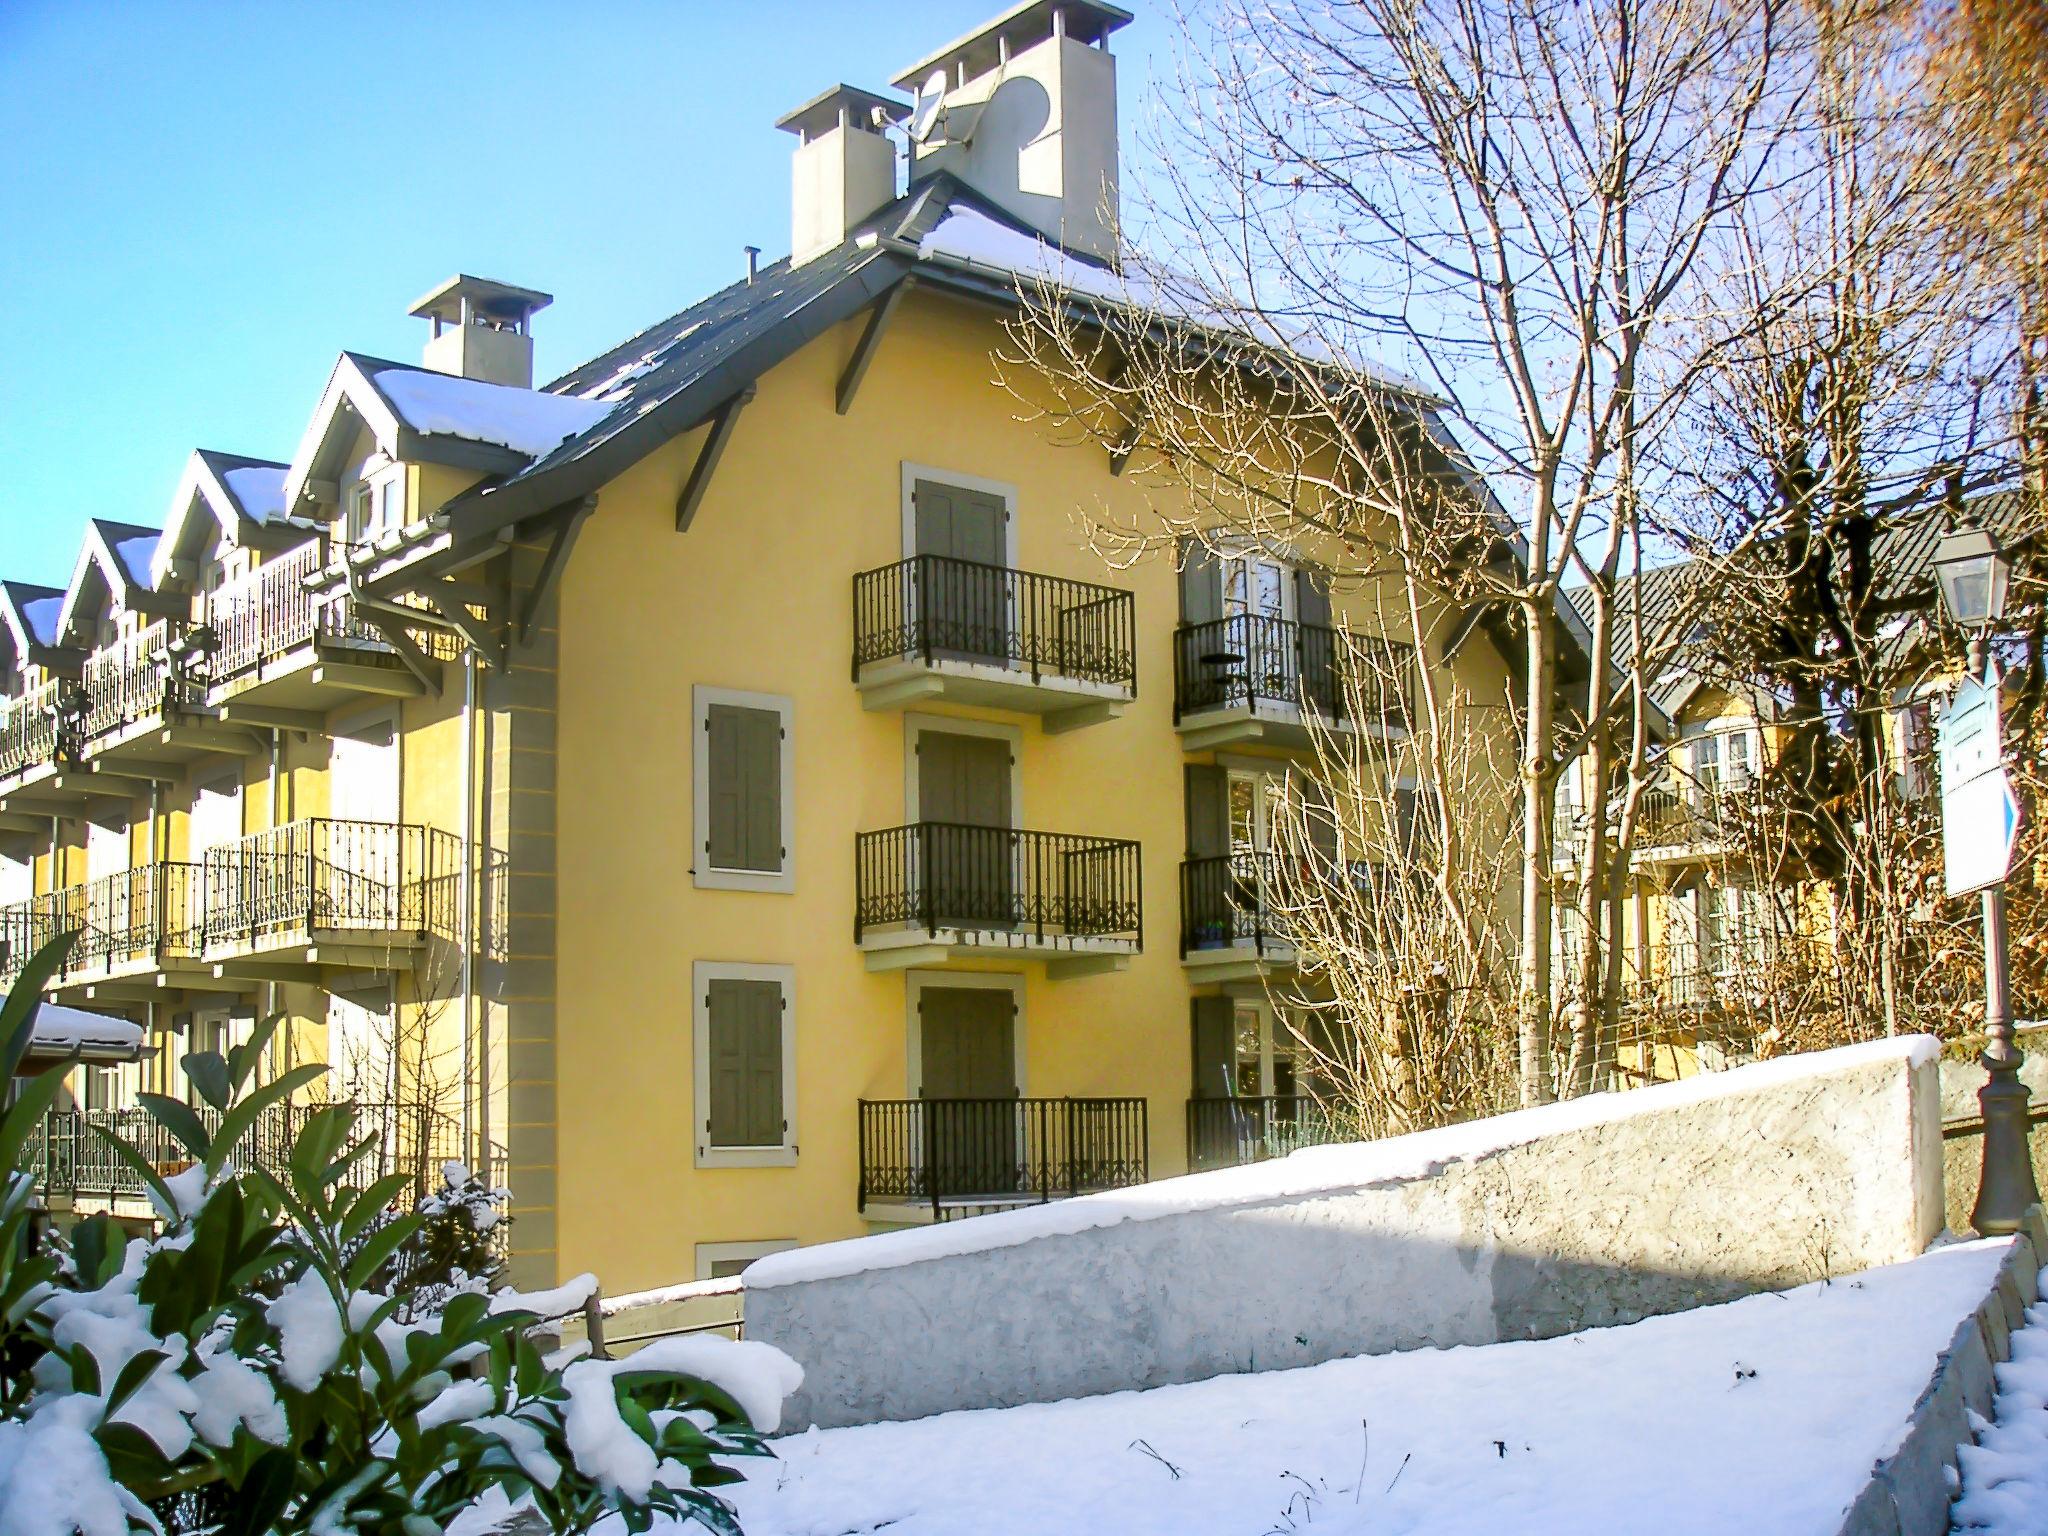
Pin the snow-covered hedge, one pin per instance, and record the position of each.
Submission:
(243, 1373)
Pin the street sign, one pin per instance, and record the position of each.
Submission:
(1979, 815)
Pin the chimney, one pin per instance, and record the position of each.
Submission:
(1024, 112)
(482, 330)
(844, 167)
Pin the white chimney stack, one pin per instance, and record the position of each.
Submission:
(844, 167)
(482, 329)
(1023, 110)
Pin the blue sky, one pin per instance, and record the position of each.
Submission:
(204, 203)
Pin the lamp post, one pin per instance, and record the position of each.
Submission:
(1972, 572)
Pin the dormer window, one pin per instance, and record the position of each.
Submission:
(376, 507)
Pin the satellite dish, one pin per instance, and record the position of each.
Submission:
(924, 117)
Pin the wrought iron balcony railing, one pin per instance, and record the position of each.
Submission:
(1223, 1133)
(25, 927)
(70, 1157)
(32, 726)
(324, 875)
(932, 608)
(968, 1152)
(1226, 903)
(1253, 661)
(271, 612)
(137, 917)
(135, 677)
(1039, 887)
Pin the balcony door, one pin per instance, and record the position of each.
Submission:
(969, 852)
(361, 856)
(967, 1062)
(962, 594)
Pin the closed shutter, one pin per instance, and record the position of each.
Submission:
(1208, 811)
(1311, 598)
(745, 1053)
(1213, 1022)
(1319, 808)
(1201, 583)
(745, 799)
(1318, 643)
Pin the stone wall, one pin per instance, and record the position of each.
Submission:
(1528, 1225)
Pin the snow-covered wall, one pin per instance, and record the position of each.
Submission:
(1528, 1225)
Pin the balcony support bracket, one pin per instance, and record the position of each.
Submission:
(883, 697)
(699, 480)
(1078, 719)
(454, 606)
(270, 717)
(13, 822)
(425, 671)
(905, 957)
(870, 341)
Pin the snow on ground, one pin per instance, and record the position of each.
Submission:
(1764, 1416)
(527, 421)
(2005, 1474)
(1308, 1172)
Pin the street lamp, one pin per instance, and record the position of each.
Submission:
(1973, 571)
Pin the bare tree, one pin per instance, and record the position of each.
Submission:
(1509, 202)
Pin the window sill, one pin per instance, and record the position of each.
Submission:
(781, 882)
(746, 1157)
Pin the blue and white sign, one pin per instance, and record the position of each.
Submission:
(1979, 815)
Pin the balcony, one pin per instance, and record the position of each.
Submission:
(931, 627)
(1228, 928)
(1254, 678)
(949, 1157)
(301, 900)
(1225, 1133)
(138, 930)
(36, 741)
(935, 892)
(144, 702)
(285, 654)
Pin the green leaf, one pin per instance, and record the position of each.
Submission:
(261, 1496)
(235, 1124)
(318, 1140)
(208, 1072)
(463, 1313)
(180, 1119)
(246, 1057)
(135, 1160)
(140, 1367)
(25, 1114)
(18, 1010)
(382, 1243)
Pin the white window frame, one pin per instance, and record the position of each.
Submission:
(711, 1253)
(381, 489)
(912, 473)
(702, 974)
(914, 983)
(706, 878)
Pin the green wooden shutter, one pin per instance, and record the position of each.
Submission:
(1311, 598)
(1213, 1023)
(1208, 811)
(1319, 810)
(745, 799)
(1201, 583)
(745, 1060)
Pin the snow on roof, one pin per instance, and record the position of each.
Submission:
(258, 490)
(40, 615)
(1309, 1172)
(527, 421)
(1763, 1416)
(135, 551)
(95, 1036)
(968, 236)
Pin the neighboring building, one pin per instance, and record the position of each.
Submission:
(719, 792)
(1721, 923)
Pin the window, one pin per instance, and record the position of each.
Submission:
(744, 1044)
(1735, 931)
(720, 1261)
(376, 507)
(744, 791)
(1724, 761)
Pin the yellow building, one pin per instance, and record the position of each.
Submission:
(719, 792)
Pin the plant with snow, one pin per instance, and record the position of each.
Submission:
(241, 1373)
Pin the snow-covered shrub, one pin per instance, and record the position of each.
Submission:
(455, 1247)
(242, 1373)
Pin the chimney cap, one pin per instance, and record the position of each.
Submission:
(1087, 21)
(491, 299)
(821, 113)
